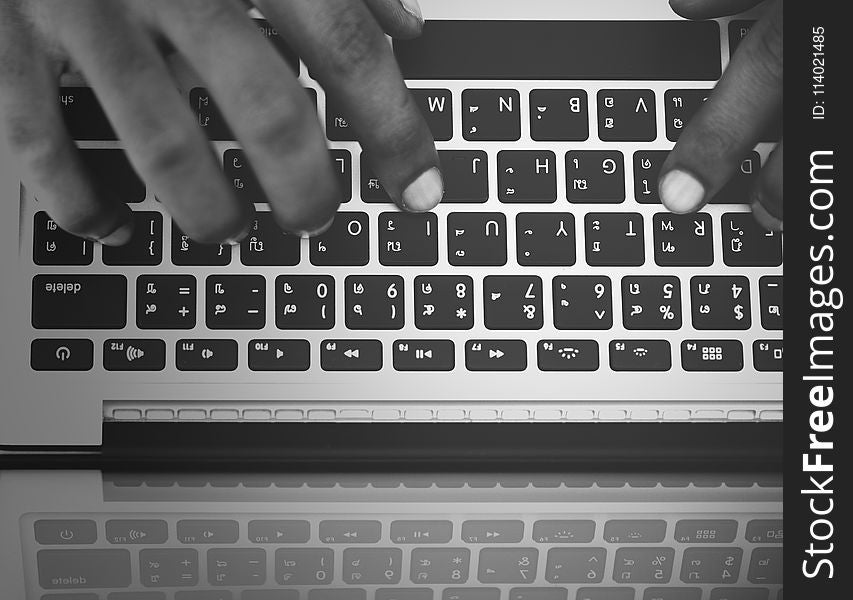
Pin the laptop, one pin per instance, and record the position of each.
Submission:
(93, 535)
(550, 285)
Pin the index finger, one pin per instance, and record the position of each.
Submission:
(350, 56)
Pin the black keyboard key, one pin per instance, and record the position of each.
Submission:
(375, 302)
(53, 246)
(767, 355)
(640, 355)
(134, 355)
(208, 116)
(61, 355)
(279, 355)
(372, 190)
(342, 167)
(712, 355)
(559, 115)
(567, 355)
(304, 302)
(527, 176)
(351, 355)
(206, 355)
(770, 295)
(278, 42)
(493, 115)
(624, 50)
(338, 126)
(437, 109)
(243, 180)
(346, 243)
(79, 302)
(444, 302)
(512, 302)
(84, 569)
(466, 175)
(582, 302)
(495, 355)
(236, 302)
(680, 106)
(626, 116)
(651, 302)
(738, 30)
(740, 187)
(186, 252)
(114, 178)
(720, 302)
(545, 239)
(614, 239)
(268, 245)
(83, 116)
(748, 244)
(595, 176)
(165, 302)
(647, 166)
(648, 163)
(145, 247)
(683, 240)
(408, 239)
(424, 355)
(476, 239)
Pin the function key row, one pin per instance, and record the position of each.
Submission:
(473, 239)
(53, 532)
(413, 355)
(378, 302)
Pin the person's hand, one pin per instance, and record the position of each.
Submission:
(119, 46)
(743, 105)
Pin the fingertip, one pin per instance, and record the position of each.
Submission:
(425, 192)
(414, 9)
(319, 230)
(681, 192)
(120, 236)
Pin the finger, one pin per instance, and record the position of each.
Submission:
(711, 9)
(767, 195)
(161, 137)
(33, 126)
(746, 99)
(264, 104)
(347, 53)
(401, 19)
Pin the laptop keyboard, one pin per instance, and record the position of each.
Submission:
(550, 252)
(184, 557)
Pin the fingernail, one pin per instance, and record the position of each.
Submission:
(120, 236)
(235, 240)
(320, 230)
(425, 192)
(413, 8)
(681, 192)
(764, 218)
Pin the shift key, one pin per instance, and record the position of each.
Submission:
(79, 301)
(83, 569)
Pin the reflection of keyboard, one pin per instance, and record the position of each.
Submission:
(641, 556)
(551, 251)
